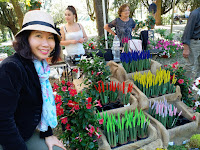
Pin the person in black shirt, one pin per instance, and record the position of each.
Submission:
(191, 42)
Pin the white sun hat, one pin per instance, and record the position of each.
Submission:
(39, 20)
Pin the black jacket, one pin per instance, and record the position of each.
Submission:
(20, 102)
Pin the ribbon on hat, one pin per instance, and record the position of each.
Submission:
(42, 23)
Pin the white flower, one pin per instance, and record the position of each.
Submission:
(198, 92)
(197, 103)
(92, 61)
(197, 81)
(195, 88)
(83, 57)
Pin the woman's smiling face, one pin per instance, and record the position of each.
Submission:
(42, 44)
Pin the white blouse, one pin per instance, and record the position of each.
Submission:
(74, 49)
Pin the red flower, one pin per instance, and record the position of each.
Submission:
(70, 103)
(63, 82)
(73, 92)
(88, 106)
(59, 111)
(69, 88)
(64, 88)
(194, 118)
(55, 87)
(101, 121)
(93, 47)
(69, 83)
(75, 70)
(68, 127)
(165, 65)
(92, 129)
(180, 81)
(89, 99)
(98, 135)
(76, 107)
(64, 120)
(58, 98)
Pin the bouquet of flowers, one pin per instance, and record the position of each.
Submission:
(76, 117)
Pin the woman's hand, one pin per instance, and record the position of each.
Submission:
(81, 40)
(52, 140)
(186, 51)
(74, 41)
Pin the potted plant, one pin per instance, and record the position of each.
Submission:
(76, 117)
(150, 22)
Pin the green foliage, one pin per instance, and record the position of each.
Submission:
(195, 141)
(183, 81)
(177, 147)
(150, 22)
(95, 71)
(89, 44)
(7, 49)
(101, 41)
(139, 25)
(162, 32)
(132, 3)
(76, 117)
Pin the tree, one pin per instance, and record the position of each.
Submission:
(132, 3)
(7, 17)
(97, 13)
(163, 6)
(183, 4)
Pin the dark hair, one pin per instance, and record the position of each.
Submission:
(121, 8)
(73, 10)
(22, 46)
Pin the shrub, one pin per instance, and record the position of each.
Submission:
(195, 141)
(7, 49)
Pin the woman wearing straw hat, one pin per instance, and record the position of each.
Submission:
(27, 107)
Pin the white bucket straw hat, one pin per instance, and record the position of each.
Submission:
(39, 20)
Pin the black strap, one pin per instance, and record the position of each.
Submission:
(79, 25)
(41, 23)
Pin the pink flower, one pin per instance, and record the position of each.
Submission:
(92, 72)
(98, 103)
(64, 88)
(92, 129)
(189, 91)
(101, 121)
(180, 81)
(88, 106)
(98, 135)
(69, 83)
(64, 120)
(165, 65)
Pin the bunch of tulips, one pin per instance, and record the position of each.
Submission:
(165, 113)
(135, 61)
(120, 130)
(112, 91)
(155, 85)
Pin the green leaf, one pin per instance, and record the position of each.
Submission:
(91, 145)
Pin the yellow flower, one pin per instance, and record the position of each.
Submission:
(28, 2)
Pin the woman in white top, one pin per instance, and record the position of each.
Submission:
(72, 34)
